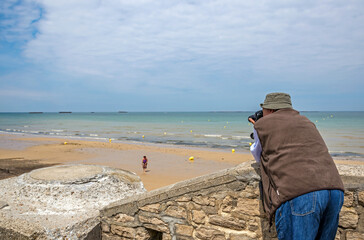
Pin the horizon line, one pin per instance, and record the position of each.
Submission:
(190, 111)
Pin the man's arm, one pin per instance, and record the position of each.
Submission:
(256, 148)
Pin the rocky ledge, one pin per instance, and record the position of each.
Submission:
(61, 201)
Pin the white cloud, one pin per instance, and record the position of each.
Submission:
(17, 20)
(124, 41)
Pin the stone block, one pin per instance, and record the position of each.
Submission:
(361, 198)
(254, 224)
(236, 186)
(105, 227)
(154, 223)
(185, 230)
(243, 236)
(123, 218)
(201, 200)
(170, 203)
(142, 234)
(205, 233)
(179, 237)
(360, 227)
(164, 206)
(227, 222)
(192, 206)
(228, 204)
(151, 220)
(220, 194)
(154, 208)
(126, 232)
(250, 192)
(354, 235)
(106, 236)
(348, 199)
(176, 211)
(338, 235)
(159, 228)
(348, 218)
(166, 237)
(247, 207)
(152, 197)
(198, 216)
(127, 208)
(210, 210)
(183, 199)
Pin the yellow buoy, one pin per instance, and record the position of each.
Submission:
(191, 131)
(143, 136)
(109, 140)
(250, 144)
(191, 158)
(65, 143)
(233, 150)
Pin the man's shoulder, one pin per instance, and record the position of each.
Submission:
(281, 116)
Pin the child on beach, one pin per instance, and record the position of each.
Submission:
(144, 163)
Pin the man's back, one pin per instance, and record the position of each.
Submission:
(294, 159)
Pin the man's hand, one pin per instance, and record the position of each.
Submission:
(251, 120)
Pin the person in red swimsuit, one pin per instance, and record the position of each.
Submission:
(144, 163)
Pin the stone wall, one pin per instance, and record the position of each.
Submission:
(222, 205)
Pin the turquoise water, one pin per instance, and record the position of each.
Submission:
(342, 131)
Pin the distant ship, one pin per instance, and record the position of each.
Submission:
(35, 112)
(123, 112)
(65, 112)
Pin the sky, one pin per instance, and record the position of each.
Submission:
(161, 55)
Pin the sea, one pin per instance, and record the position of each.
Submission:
(343, 132)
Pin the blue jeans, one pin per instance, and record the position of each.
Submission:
(314, 215)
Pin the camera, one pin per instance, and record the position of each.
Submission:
(256, 116)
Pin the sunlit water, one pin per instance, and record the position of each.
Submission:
(342, 131)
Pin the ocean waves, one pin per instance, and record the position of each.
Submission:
(215, 141)
(342, 132)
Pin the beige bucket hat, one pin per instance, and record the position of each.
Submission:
(277, 101)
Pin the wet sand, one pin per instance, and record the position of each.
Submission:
(12, 167)
(167, 165)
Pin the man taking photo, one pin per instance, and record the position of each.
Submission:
(301, 185)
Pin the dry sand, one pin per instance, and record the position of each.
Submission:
(167, 165)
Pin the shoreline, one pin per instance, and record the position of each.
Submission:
(342, 132)
(167, 164)
(36, 137)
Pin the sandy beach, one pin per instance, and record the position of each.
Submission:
(167, 164)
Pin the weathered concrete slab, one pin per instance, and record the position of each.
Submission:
(62, 201)
(67, 173)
